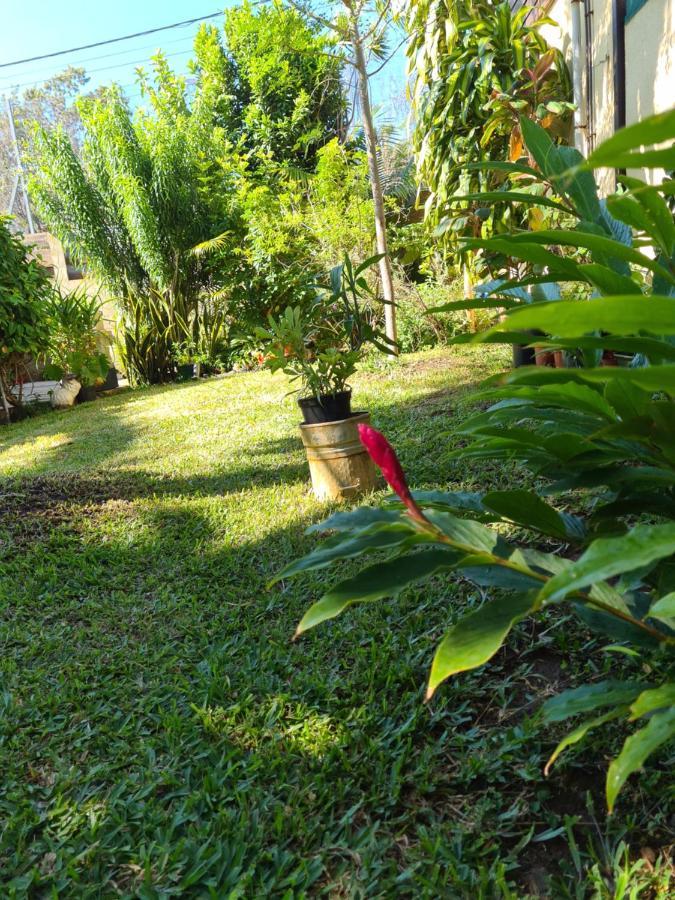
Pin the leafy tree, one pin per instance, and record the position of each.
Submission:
(475, 67)
(51, 105)
(360, 28)
(25, 291)
(274, 87)
(607, 429)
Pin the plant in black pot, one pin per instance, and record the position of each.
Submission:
(320, 345)
(185, 358)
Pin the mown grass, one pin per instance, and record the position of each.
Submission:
(160, 734)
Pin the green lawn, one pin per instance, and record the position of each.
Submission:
(162, 736)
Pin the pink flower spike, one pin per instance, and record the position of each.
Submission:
(384, 456)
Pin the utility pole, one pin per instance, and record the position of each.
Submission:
(19, 178)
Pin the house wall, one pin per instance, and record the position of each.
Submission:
(650, 62)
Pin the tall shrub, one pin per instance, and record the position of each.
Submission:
(24, 322)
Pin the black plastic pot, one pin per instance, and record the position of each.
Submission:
(523, 355)
(87, 393)
(326, 408)
(186, 372)
(110, 383)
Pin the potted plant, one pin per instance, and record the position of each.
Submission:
(320, 346)
(75, 360)
(184, 356)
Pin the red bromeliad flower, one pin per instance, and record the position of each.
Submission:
(384, 456)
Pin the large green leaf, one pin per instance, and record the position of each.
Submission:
(664, 607)
(590, 697)
(596, 243)
(365, 542)
(385, 579)
(607, 281)
(562, 166)
(636, 749)
(527, 509)
(470, 535)
(656, 698)
(606, 557)
(650, 378)
(581, 731)
(511, 197)
(626, 314)
(477, 637)
(617, 152)
(356, 520)
(565, 393)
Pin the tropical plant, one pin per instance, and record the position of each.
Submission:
(474, 64)
(24, 322)
(74, 338)
(605, 428)
(134, 208)
(322, 343)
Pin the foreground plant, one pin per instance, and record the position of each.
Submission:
(608, 428)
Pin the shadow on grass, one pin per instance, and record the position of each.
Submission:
(163, 725)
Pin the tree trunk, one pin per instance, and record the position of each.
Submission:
(468, 295)
(375, 183)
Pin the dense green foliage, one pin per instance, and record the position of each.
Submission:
(321, 343)
(610, 429)
(161, 735)
(166, 207)
(75, 337)
(473, 65)
(24, 292)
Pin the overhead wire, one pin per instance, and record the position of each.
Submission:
(75, 63)
(126, 37)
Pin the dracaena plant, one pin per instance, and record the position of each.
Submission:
(321, 344)
(609, 428)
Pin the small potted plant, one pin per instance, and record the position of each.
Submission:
(75, 360)
(320, 346)
(185, 357)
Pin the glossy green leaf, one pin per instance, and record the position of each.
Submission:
(606, 557)
(590, 697)
(368, 542)
(636, 749)
(656, 698)
(386, 579)
(477, 637)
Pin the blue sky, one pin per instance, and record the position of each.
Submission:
(35, 27)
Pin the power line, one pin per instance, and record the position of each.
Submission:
(131, 62)
(116, 40)
(48, 72)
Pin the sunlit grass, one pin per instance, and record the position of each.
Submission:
(162, 736)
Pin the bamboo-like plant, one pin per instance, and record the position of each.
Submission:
(133, 208)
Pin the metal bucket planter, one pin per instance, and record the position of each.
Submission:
(338, 462)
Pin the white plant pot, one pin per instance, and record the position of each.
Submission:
(65, 392)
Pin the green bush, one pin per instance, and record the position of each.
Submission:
(24, 322)
(606, 433)
(416, 328)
